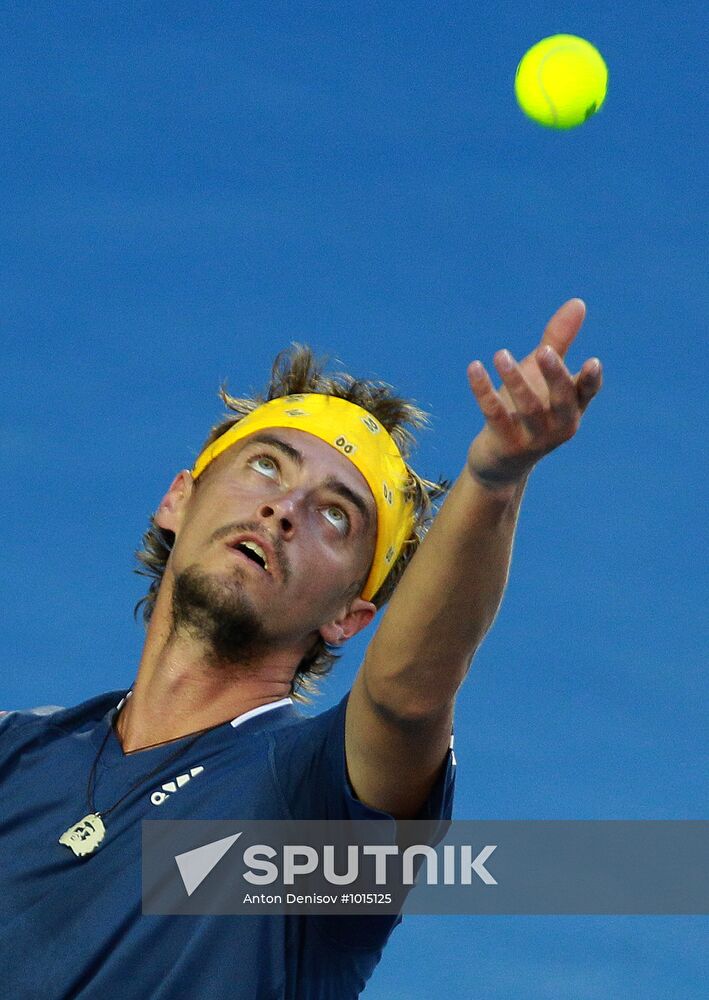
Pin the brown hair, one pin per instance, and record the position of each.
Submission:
(297, 370)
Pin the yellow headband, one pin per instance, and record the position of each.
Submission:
(358, 436)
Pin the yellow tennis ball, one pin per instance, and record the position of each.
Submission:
(561, 81)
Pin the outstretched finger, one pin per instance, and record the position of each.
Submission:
(493, 409)
(529, 406)
(588, 382)
(560, 383)
(564, 325)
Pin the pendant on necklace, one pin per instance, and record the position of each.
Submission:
(85, 836)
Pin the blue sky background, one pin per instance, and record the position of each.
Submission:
(188, 188)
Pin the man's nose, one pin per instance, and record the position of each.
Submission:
(284, 510)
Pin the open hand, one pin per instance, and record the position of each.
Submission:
(539, 406)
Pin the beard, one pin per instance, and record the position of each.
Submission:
(219, 614)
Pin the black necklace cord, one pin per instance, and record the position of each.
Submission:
(91, 785)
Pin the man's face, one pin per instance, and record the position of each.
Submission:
(310, 510)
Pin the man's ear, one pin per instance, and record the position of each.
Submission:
(171, 511)
(353, 621)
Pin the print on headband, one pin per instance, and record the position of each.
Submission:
(344, 445)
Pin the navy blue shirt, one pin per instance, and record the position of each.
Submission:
(73, 927)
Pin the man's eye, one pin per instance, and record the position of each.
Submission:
(337, 517)
(265, 464)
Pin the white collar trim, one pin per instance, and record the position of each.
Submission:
(259, 711)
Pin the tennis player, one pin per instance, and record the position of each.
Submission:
(299, 520)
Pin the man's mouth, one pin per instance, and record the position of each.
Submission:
(253, 551)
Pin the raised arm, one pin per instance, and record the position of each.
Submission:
(400, 709)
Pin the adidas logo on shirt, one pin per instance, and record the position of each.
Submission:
(157, 798)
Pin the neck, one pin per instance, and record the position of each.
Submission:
(144, 722)
(179, 689)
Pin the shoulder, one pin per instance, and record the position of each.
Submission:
(15, 718)
(307, 734)
(58, 718)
